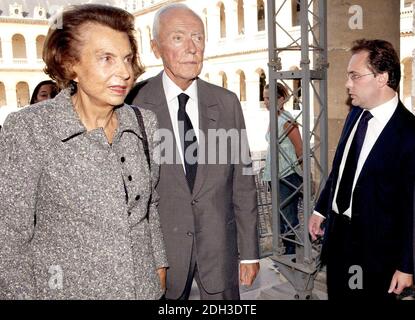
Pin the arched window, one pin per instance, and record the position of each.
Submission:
(262, 82)
(296, 91)
(150, 37)
(205, 20)
(295, 12)
(22, 94)
(40, 41)
(3, 100)
(407, 3)
(19, 47)
(149, 34)
(224, 82)
(140, 41)
(297, 94)
(242, 85)
(241, 18)
(222, 20)
(261, 15)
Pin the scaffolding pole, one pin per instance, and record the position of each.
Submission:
(302, 267)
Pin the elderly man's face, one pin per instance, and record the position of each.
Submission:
(181, 45)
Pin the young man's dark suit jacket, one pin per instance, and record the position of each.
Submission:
(221, 214)
(383, 198)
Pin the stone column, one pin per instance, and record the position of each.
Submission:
(31, 50)
(234, 83)
(1, 48)
(7, 47)
(10, 88)
(252, 89)
(231, 13)
(348, 22)
(213, 22)
(413, 82)
(251, 17)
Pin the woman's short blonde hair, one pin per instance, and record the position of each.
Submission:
(61, 48)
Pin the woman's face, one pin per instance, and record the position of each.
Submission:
(281, 101)
(45, 92)
(104, 71)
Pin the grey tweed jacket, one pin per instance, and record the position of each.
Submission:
(73, 208)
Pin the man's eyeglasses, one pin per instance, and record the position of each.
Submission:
(355, 76)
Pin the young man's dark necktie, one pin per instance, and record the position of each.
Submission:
(345, 188)
(185, 125)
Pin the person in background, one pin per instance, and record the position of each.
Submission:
(290, 155)
(78, 214)
(45, 90)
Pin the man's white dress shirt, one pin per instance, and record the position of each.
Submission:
(381, 116)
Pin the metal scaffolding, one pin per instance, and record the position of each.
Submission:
(302, 267)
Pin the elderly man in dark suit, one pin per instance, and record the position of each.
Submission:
(208, 206)
(368, 200)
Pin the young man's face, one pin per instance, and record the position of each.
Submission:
(362, 84)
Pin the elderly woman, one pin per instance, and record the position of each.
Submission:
(78, 215)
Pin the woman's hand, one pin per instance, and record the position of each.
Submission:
(162, 275)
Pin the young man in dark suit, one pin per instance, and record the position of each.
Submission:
(368, 200)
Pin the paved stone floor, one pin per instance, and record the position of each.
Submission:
(271, 285)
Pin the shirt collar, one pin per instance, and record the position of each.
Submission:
(171, 90)
(384, 112)
(67, 122)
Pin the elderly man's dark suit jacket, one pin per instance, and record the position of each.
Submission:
(221, 213)
(383, 198)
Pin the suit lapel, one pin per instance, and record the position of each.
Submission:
(208, 120)
(348, 126)
(350, 123)
(383, 148)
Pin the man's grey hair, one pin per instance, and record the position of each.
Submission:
(165, 9)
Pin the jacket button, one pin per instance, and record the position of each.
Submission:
(137, 197)
(130, 178)
(122, 159)
(190, 234)
(194, 202)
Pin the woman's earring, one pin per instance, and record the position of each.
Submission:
(73, 85)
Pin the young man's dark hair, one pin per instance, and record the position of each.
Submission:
(382, 58)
